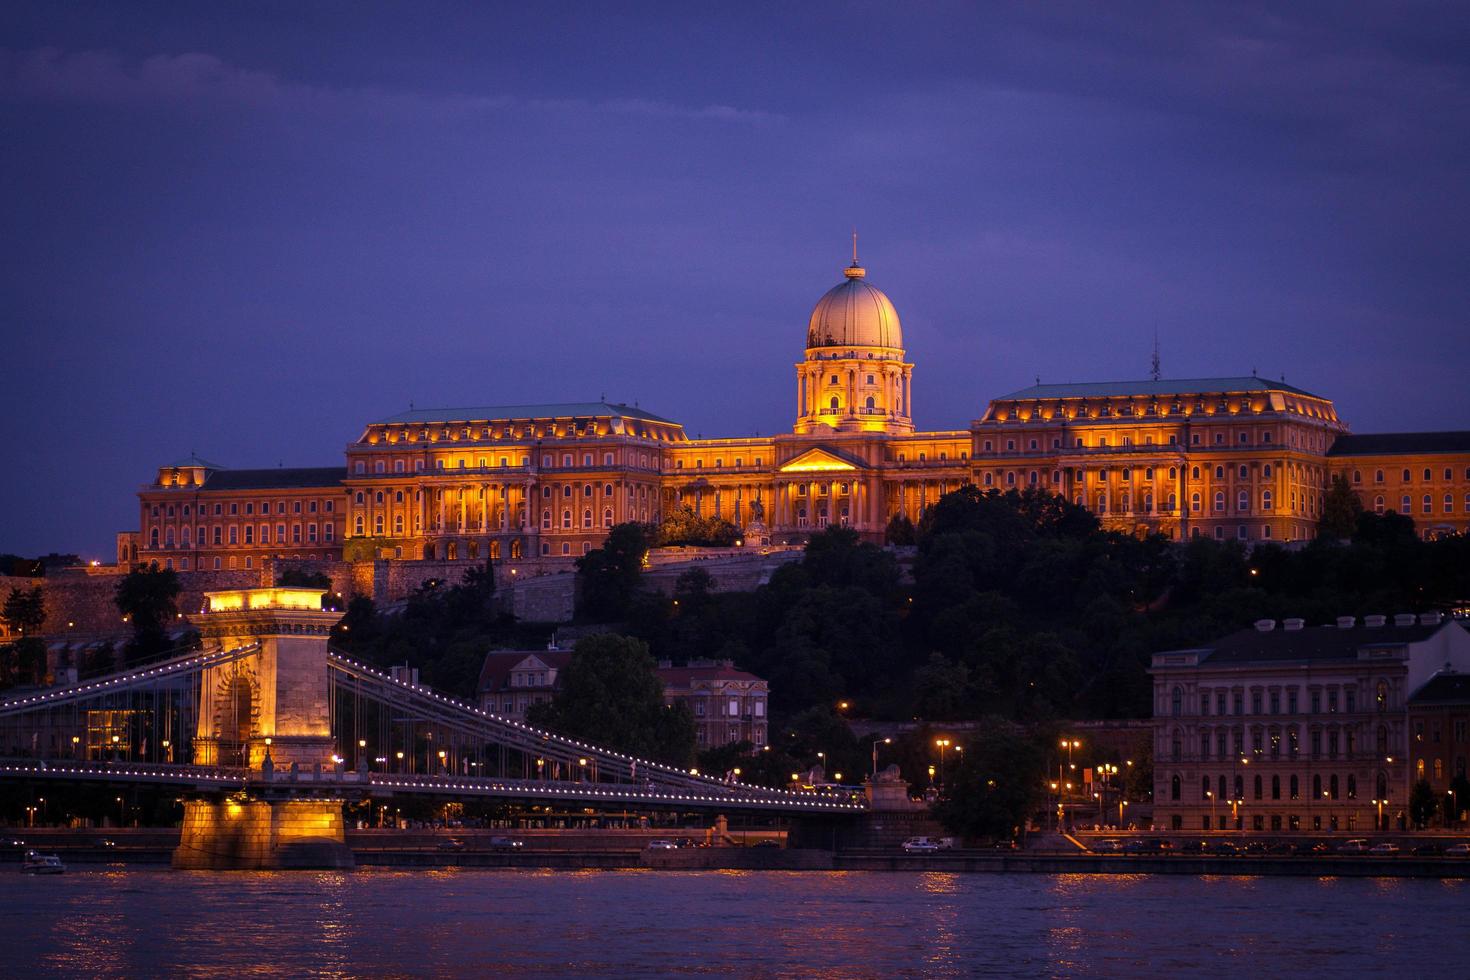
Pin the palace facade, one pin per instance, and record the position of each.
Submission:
(1230, 457)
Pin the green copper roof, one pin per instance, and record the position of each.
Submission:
(1183, 386)
(498, 413)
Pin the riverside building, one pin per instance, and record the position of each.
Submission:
(1243, 458)
(1290, 727)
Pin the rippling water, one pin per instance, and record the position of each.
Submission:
(132, 922)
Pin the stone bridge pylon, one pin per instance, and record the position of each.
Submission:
(269, 711)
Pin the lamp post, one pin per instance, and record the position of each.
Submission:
(1213, 822)
(884, 740)
(943, 744)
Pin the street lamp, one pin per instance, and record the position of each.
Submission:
(1213, 821)
(886, 741)
(943, 744)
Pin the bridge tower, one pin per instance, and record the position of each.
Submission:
(266, 713)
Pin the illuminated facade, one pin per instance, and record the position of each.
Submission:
(1230, 458)
(1290, 727)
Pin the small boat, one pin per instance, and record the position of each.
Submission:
(36, 863)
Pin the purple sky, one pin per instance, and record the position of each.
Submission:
(248, 229)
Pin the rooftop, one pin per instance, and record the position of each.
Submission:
(1182, 386)
(1446, 687)
(280, 478)
(495, 672)
(1389, 443)
(1310, 643)
(498, 413)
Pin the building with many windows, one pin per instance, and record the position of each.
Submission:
(1290, 727)
(728, 705)
(1244, 458)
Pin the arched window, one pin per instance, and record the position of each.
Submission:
(1378, 504)
(1219, 500)
(1194, 473)
(153, 538)
(1382, 741)
(546, 520)
(1194, 504)
(607, 517)
(1220, 787)
(1352, 786)
(1296, 787)
(1176, 746)
(1010, 479)
(587, 517)
(377, 524)
(1357, 476)
(1239, 787)
(833, 403)
(989, 479)
(1178, 701)
(1257, 787)
(1174, 788)
(1265, 499)
(566, 518)
(1243, 500)
(1380, 695)
(607, 489)
(1332, 784)
(378, 497)
(1276, 787)
(1316, 787)
(1204, 788)
(1382, 787)
(870, 403)
(586, 489)
(357, 525)
(1427, 504)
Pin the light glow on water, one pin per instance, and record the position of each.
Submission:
(146, 922)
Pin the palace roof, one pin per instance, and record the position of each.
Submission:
(495, 671)
(1123, 389)
(498, 413)
(1390, 443)
(276, 479)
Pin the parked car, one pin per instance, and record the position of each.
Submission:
(506, 844)
(1137, 847)
(1358, 846)
(1224, 848)
(1193, 847)
(1257, 847)
(662, 845)
(1429, 849)
(1321, 847)
(1285, 847)
(452, 844)
(1110, 846)
(1387, 847)
(1000, 845)
(766, 842)
(920, 845)
(1459, 850)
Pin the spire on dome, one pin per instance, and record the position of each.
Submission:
(854, 271)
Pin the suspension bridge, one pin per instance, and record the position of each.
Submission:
(268, 731)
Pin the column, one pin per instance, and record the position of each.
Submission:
(484, 508)
(442, 515)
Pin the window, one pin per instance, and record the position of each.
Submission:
(1178, 701)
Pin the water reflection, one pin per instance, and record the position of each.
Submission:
(124, 923)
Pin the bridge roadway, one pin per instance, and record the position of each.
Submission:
(347, 783)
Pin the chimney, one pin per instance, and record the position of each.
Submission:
(1430, 619)
(1293, 625)
(1405, 619)
(1374, 622)
(1265, 625)
(1346, 622)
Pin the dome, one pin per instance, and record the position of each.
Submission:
(854, 314)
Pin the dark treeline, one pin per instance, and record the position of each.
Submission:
(1020, 606)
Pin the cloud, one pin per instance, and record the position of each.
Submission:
(196, 78)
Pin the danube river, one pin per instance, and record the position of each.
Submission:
(129, 922)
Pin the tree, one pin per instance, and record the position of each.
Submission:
(683, 526)
(1423, 802)
(300, 578)
(608, 576)
(900, 531)
(611, 695)
(146, 597)
(24, 610)
(1340, 509)
(997, 785)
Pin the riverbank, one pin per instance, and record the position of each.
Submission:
(585, 851)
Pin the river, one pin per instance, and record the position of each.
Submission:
(131, 922)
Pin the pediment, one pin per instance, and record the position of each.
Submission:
(821, 460)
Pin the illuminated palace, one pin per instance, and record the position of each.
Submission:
(1242, 457)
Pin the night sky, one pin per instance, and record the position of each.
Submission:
(248, 229)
